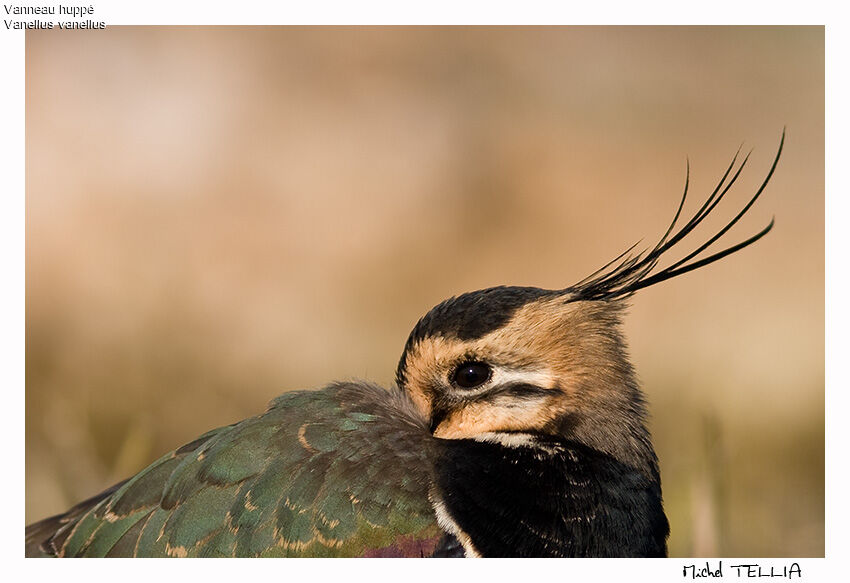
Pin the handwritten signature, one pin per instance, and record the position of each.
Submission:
(743, 570)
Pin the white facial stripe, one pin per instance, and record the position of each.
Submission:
(537, 378)
(511, 439)
(507, 439)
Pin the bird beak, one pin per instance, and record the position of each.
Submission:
(438, 415)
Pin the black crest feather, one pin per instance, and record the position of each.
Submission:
(633, 272)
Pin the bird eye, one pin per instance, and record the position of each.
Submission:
(471, 374)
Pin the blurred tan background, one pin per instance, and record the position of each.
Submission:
(217, 215)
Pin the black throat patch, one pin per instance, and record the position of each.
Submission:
(566, 500)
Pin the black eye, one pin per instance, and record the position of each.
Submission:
(471, 374)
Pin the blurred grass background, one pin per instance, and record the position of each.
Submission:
(217, 215)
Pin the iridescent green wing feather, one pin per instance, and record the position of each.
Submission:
(342, 471)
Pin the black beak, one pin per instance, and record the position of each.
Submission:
(438, 415)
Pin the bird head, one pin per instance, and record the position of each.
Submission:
(511, 359)
(508, 363)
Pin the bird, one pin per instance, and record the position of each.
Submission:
(516, 427)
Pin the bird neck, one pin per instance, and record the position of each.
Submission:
(499, 501)
(614, 426)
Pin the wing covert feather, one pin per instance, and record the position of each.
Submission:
(342, 471)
